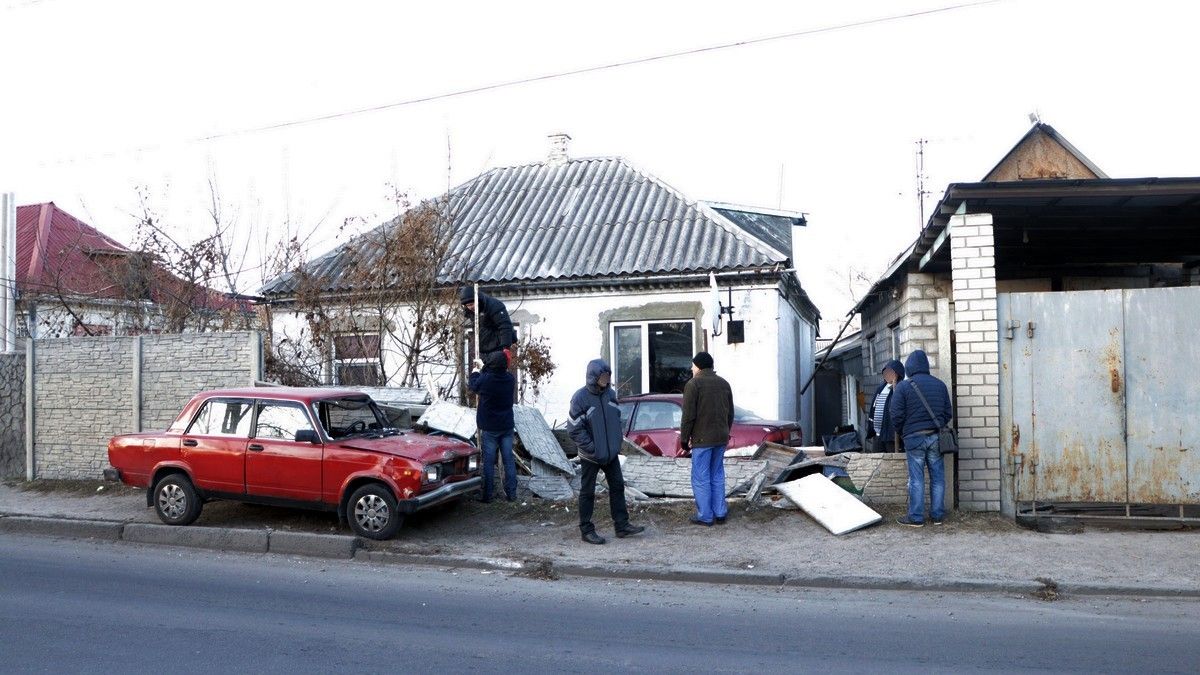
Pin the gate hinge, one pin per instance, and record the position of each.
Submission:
(1029, 329)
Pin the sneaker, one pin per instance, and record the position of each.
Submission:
(720, 520)
(593, 538)
(695, 520)
(630, 530)
(938, 521)
(903, 520)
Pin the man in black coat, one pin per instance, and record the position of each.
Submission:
(494, 417)
(495, 328)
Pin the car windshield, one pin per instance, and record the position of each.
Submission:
(743, 415)
(350, 416)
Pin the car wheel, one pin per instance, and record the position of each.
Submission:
(372, 512)
(175, 500)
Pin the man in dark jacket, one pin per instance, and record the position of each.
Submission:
(879, 418)
(919, 432)
(595, 426)
(494, 416)
(495, 328)
(704, 429)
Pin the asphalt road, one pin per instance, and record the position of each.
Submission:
(103, 607)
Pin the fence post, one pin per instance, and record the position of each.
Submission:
(30, 371)
(256, 357)
(137, 383)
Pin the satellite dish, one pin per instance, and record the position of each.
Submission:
(714, 305)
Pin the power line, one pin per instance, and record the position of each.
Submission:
(571, 73)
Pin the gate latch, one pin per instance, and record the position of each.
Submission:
(1012, 327)
(1029, 329)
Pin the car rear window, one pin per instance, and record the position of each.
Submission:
(222, 417)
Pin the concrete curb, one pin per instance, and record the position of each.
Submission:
(351, 548)
(312, 544)
(60, 527)
(218, 538)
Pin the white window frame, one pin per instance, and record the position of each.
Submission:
(645, 335)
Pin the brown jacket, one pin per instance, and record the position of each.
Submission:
(707, 411)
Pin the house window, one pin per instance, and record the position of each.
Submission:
(651, 357)
(356, 360)
(894, 335)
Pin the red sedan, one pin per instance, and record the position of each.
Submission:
(323, 449)
(652, 421)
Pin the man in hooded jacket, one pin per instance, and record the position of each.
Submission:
(494, 385)
(496, 331)
(919, 432)
(595, 425)
(879, 418)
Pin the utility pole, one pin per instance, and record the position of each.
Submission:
(921, 177)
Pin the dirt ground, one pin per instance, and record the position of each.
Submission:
(970, 546)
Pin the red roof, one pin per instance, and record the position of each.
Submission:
(59, 253)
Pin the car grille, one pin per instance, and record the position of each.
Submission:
(454, 467)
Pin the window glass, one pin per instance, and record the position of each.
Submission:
(743, 415)
(657, 415)
(222, 417)
(628, 348)
(280, 420)
(670, 356)
(626, 413)
(342, 417)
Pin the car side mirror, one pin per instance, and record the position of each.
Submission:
(307, 436)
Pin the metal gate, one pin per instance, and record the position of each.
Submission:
(1097, 402)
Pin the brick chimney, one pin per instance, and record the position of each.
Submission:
(558, 148)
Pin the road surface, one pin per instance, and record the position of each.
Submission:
(110, 607)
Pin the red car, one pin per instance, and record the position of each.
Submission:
(652, 421)
(323, 449)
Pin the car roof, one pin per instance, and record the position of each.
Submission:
(303, 394)
(652, 397)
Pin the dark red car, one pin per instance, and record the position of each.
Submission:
(652, 421)
(325, 449)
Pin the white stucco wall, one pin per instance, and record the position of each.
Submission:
(762, 371)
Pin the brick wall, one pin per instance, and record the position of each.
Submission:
(912, 310)
(87, 390)
(12, 415)
(977, 385)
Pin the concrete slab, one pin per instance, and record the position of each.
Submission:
(217, 538)
(60, 527)
(313, 544)
(831, 506)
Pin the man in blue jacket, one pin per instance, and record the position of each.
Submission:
(494, 417)
(919, 432)
(595, 425)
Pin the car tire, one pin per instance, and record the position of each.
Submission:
(175, 500)
(372, 512)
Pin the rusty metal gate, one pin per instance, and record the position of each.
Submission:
(1098, 397)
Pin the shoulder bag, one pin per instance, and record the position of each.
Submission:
(947, 437)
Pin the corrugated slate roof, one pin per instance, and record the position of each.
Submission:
(579, 219)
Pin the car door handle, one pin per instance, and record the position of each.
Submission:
(190, 442)
(255, 447)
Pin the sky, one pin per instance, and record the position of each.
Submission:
(103, 101)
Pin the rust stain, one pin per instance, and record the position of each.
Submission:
(1016, 437)
(1085, 474)
(1114, 378)
(1112, 359)
(1166, 475)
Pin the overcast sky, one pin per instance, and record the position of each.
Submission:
(103, 97)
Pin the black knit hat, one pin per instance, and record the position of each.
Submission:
(703, 360)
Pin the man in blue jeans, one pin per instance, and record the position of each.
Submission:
(919, 430)
(496, 388)
(704, 429)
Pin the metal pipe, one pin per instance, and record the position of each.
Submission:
(8, 220)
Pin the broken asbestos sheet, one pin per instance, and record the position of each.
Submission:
(451, 419)
(539, 441)
(838, 510)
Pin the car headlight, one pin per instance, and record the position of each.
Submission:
(432, 473)
(472, 462)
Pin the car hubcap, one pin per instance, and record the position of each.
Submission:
(371, 513)
(171, 501)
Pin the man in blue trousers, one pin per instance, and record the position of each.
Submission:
(920, 406)
(704, 429)
(494, 417)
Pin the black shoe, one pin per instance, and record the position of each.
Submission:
(695, 520)
(629, 530)
(903, 520)
(719, 520)
(938, 522)
(485, 500)
(593, 538)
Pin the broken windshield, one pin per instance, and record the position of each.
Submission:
(350, 416)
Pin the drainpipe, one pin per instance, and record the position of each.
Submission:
(8, 268)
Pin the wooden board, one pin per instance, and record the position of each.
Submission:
(831, 506)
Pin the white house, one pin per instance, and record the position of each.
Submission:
(604, 260)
